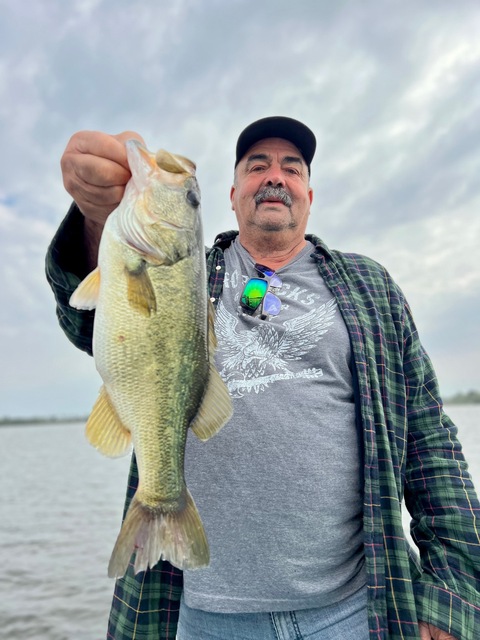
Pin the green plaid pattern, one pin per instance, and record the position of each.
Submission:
(411, 453)
(145, 605)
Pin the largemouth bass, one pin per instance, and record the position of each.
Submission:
(153, 345)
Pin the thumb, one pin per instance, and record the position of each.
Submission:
(122, 138)
(128, 135)
(120, 149)
(424, 631)
(431, 632)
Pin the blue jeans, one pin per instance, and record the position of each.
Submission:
(346, 620)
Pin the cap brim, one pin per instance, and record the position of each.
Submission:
(278, 127)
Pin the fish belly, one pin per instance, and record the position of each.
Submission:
(154, 370)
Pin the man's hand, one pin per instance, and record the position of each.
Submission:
(428, 631)
(95, 171)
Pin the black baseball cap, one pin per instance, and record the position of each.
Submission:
(278, 127)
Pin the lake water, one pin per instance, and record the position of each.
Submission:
(61, 509)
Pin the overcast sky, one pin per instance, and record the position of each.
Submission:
(391, 89)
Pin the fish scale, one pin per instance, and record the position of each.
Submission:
(153, 346)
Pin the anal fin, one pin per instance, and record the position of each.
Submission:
(105, 430)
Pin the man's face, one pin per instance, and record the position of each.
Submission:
(271, 190)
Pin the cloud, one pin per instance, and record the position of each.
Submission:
(392, 96)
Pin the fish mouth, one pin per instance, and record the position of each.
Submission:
(274, 195)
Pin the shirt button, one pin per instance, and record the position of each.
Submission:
(212, 299)
(218, 267)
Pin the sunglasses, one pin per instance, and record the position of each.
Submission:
(257, 296)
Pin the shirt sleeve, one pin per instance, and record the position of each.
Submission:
(64, 271)
(442, 501)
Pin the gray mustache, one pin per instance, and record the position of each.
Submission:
(273, 192)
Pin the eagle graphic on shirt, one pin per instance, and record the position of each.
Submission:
(255, 358)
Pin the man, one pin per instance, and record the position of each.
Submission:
(337, 417)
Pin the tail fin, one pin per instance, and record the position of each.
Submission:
(178, 537)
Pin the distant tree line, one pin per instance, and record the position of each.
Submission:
(6, 420)
(469, 397)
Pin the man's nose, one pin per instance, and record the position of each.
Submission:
(275, 177)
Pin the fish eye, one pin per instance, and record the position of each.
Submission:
(193, 198)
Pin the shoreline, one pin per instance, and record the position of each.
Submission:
(32, 422)
(51, 420)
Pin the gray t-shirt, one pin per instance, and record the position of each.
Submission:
(278, 488)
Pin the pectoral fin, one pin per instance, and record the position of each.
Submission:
(140, 293)
(85, 296)
(104, 429)
(216, 407)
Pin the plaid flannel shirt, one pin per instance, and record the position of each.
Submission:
(411, 453)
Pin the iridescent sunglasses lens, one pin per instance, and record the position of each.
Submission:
(263, 269)
(256, 293)
(270, 273)
(271, 305)
(275, 281)
(253, 294)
